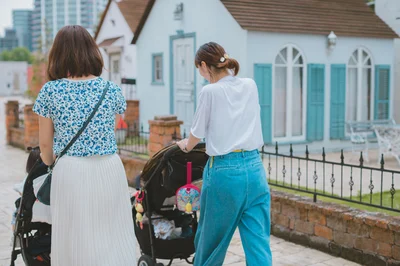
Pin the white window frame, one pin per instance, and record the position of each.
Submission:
(360, 67)
(289, 80)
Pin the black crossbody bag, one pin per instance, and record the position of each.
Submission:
(43, 194)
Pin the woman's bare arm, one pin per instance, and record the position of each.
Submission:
(189, 143)
(46, 134)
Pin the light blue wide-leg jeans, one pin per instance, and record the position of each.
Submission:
(235, 193)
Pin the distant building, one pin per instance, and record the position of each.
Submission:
(22, 23)
(50, 15)
(9, 41)
(13, 78)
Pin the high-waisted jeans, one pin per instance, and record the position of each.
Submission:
(235, 193)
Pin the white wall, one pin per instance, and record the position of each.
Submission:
(209, 19)
(389, 11)
(120, 28)
(263, 47)
(7, 78)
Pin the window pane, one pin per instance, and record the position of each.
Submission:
(280, 102)
(352, 61)
(366, 94)
(279, 60)
(295, 53)
(364, 56)
(355, 55)
(157, 68)
(116, 66)
(351, 99)
(297, 102)
(299, 61)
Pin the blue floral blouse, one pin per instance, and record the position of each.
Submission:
(69, 103)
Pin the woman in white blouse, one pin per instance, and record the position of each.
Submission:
(235, 191)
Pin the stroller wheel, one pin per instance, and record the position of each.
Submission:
(146, 261)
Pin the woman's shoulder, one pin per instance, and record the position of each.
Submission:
(248, 81)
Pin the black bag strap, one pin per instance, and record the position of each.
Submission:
(85, 124)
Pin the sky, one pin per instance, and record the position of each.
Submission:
(6, 7)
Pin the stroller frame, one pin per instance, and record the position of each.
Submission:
(23, 224)
(153, 259)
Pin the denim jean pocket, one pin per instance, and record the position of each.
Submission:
(219, 168)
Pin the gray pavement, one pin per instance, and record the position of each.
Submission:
(12, 164)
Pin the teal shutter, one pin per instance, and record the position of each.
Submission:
(338, 101)
(315, 102)
(382, 91)
(263, 79)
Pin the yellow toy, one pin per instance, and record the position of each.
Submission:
(188, 208)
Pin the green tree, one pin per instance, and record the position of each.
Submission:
(5, 56)
(17, 54)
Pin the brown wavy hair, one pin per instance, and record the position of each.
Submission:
(74, 54)
(211, 54)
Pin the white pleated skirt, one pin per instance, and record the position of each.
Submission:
(92, 222)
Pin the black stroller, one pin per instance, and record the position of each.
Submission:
(163, 174)
(33, 238)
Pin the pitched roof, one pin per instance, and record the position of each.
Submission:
(108, 42)
(132, 10)
(344, 17)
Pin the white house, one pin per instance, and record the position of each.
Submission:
(13, 78)
(114, 36)
(389, 11)
(308, 86)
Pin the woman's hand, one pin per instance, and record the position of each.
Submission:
(183, 145)
(187, 145)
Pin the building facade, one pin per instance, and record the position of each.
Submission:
(51, 15)
(9, 41)
(22, 23)
(308, 87)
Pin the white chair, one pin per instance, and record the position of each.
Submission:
(388, 141)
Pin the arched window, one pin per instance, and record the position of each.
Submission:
(289, 94)
(359, 88)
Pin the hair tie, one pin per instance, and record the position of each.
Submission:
(223, 58)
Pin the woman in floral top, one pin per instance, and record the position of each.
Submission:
(91, 213)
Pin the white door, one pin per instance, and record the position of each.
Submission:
(115, 69)
(183, 58)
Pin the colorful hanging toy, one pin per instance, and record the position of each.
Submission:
(139, 196)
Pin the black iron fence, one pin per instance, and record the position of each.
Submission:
(132, 140)
(177, 137)
(314, 174)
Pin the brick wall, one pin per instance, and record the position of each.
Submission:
(365, 238)
(162, 130)
(131, 115)
(31, 127)
(12, 120)
(17, 137)
(28, 136)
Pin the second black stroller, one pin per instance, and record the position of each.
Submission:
(163, 174)
(32, 240)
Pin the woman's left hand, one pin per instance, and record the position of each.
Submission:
(183, 145)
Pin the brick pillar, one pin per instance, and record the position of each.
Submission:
(162, 130)
(31, 120)
(132, 112)
(131, 117)
(12, 118)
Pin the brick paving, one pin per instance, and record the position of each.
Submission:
(12, 162)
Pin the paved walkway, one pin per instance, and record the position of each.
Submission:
(12, 162)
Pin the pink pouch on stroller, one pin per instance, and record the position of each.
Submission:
(188, 196)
